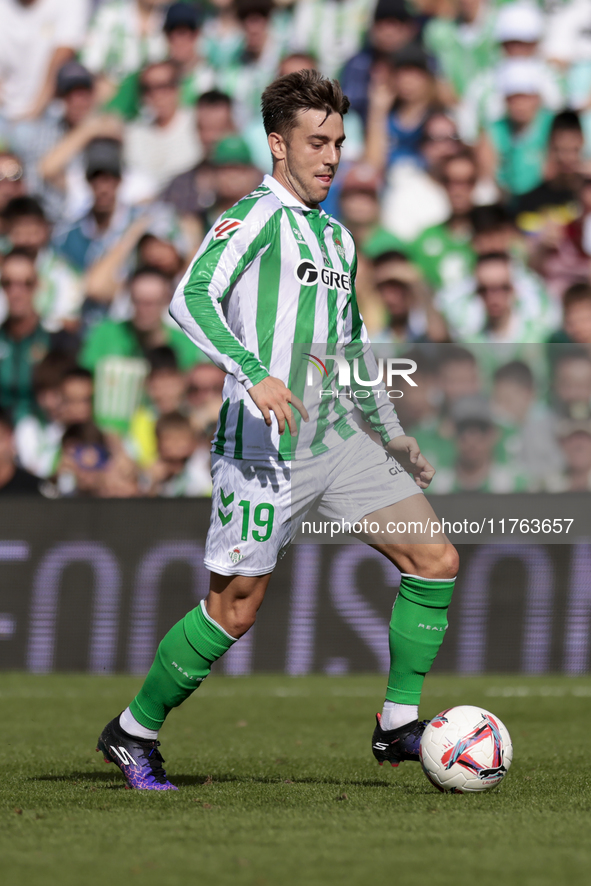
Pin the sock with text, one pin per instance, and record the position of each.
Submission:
(183, 661)
(417, 629)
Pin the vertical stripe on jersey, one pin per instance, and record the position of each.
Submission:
(341, 426)
(220, 437)
(303, 334)
(268, 297)
(238, 433)
(324, 407)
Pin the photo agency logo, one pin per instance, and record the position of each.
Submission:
(370, 377)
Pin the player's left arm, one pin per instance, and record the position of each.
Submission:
(378, 409)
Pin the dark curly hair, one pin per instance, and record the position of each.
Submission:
(287, 96)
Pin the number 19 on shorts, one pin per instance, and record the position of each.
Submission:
(259, 523)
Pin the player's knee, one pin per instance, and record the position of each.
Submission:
(450, 562)
(440, 561)
(241, 619)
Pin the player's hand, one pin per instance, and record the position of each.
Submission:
(406, 451)
(272, 395)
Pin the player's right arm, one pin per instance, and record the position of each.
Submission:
(230, 248)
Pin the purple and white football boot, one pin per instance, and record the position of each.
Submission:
(139, 759)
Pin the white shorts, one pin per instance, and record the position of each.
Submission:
(257, 506)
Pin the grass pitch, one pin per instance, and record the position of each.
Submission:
(278, 788)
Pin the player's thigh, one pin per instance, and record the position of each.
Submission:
(250, 517)
(363, 478)
(409, 534)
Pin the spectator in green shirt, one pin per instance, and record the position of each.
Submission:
(515, 147)
(444, 252)
(150, 292)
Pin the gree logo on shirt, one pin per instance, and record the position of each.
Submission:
(308, 274)
(226, 227)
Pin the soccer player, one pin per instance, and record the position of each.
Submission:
(262, 280)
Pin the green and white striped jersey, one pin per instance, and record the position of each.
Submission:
(271, 273)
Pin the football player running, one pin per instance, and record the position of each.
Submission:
(257, 285)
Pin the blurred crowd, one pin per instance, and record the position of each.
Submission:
(502, 418)
(127, 126)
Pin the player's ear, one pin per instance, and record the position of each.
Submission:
(277, 145)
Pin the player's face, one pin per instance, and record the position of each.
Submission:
(312, 153)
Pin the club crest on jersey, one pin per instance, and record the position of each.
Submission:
(235, 556)
(339, 248)
(308, 274)
(226, 227)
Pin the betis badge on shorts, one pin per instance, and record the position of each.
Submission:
(235, 556)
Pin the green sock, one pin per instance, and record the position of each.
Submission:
(417, 629)
(183, 661)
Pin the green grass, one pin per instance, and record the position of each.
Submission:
(278, 788)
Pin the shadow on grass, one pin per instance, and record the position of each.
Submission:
(106, 778)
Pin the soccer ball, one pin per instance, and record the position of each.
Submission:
(465, 749)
